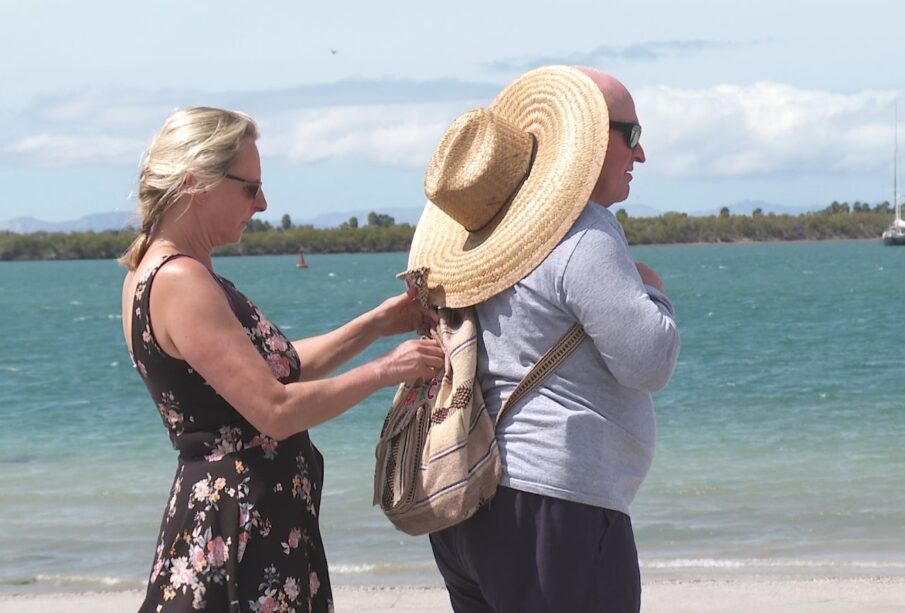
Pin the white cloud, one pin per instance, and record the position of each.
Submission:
(98, 108)
(71, 150)
(394, 122)
(764, 129)
(395, 135)
(636, 52)
(721, 132)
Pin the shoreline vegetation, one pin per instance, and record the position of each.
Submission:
(838, 221)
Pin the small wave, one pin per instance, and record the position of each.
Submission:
(352, 569)
(19, 581)
(77, 581)
(89, 579)
(114, 316)
(9, 369)
(383, 568)
(22, 459)
(764, 563)
(81, 318)
(331, 274)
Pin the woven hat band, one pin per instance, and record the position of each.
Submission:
(479, 165)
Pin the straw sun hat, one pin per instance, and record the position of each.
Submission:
(507, 182)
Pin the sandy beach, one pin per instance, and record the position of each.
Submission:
(861, 595)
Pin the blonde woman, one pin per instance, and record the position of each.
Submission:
(240, 532)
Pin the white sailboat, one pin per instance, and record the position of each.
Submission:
(895, 233)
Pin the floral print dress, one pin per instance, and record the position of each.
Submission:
(240, 532)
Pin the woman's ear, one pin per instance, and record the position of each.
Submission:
(197, 197)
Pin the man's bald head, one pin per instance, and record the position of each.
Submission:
(613, 183)
(614, 92)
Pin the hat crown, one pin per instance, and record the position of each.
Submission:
(478, 167)
(553, 122)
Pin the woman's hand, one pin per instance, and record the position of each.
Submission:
(414, 359)
(403, 313)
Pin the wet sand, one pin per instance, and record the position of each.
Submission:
(864, 595)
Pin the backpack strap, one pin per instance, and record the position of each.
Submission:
(555, 357)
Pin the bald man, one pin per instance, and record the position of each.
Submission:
(557, 537)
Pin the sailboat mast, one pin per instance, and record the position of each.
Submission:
(895, 164)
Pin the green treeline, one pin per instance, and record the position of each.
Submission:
(837, 221)
(382, 234)
(367, 239)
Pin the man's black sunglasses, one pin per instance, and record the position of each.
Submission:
(252, 188)
(631, 132)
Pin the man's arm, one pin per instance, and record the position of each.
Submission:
(628, 317)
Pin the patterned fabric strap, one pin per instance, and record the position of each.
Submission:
(555, 357)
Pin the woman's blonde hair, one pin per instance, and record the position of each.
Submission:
(203, 140)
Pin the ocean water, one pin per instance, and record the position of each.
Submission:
(781, 438)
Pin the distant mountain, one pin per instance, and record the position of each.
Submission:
(411, 215)
(638, 210)
(742, 207)
(117, 220)
(746, 207)
(97, 222)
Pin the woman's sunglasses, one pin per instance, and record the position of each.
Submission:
(631, 132)
(252, 188)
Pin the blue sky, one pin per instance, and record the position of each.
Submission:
(788, 102)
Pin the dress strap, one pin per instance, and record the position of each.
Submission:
(141, 303)
(142, 334)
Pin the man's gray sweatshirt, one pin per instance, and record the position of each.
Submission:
(588, 434)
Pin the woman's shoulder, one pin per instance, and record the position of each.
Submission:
(174, 269)
(174, 279)
(174, 264)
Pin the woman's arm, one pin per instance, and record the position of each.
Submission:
(321, 355)
(192, 320)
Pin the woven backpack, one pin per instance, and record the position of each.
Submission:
(437, 456)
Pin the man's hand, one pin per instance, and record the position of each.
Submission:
(648, 276)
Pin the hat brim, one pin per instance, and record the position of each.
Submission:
(566, 112)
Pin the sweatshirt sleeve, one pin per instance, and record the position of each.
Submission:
(631, 324)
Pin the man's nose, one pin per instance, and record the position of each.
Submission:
(638, 154)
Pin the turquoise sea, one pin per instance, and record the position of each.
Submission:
(781, 438)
